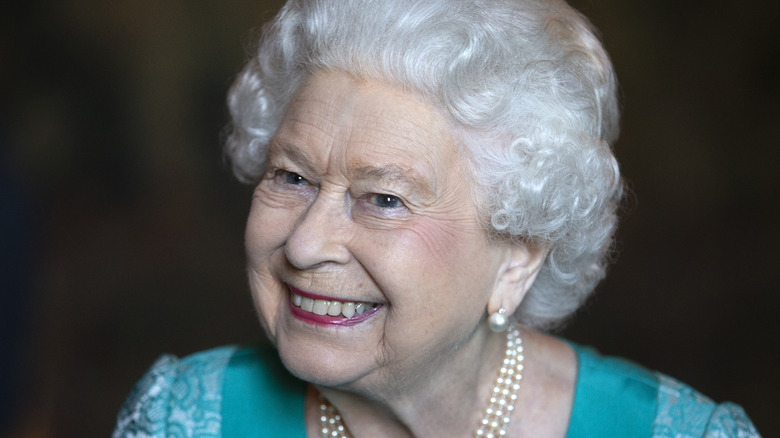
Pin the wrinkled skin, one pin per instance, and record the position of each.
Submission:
(367, 198)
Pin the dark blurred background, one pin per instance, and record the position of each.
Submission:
(121, 228)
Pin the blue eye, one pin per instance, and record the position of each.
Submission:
(386, 201)
(294, 179)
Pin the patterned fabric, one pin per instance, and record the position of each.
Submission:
(183, 398)
(685, 413)
(177, 398)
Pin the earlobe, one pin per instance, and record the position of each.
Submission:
(516, 275)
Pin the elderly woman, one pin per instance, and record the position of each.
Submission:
(435, 188)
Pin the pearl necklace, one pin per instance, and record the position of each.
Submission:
(500, 405)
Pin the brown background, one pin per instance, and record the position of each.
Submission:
(123, 230)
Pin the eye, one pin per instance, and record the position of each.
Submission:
(385, 201)
(293, 178)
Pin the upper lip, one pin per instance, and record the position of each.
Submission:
(315, 296)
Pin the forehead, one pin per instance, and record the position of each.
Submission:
(336, 119)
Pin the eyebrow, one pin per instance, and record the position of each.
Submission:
(277, 146)
(395, 174)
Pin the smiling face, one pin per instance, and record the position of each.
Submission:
(366, 259)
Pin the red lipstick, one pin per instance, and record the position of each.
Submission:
(327, 320)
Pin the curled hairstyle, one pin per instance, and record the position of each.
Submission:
(527, 86)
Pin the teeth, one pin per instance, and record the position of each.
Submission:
(307, 304)
(347, 309)
(320, 307)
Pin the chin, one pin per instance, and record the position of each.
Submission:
(322, 365)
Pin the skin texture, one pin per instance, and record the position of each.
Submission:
(366, 198)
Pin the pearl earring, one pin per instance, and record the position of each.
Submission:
(498, 321)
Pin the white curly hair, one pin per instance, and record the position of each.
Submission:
(530, 92)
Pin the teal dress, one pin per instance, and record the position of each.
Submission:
(232, 392)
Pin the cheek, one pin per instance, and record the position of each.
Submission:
(267, 228)
(429, 254)
(448, 244)
(266, 231)
(268, 297)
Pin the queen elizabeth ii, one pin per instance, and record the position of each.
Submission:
(435, 191)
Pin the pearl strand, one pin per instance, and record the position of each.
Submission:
(504, 395)
(497, 414)
(331, 425)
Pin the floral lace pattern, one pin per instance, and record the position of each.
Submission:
(183, 398)
(177, 398)
(685, 413)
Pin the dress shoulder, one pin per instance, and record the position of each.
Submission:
(616, 398)
(177, 397)
(683, 412)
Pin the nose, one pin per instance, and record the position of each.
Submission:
(321, 234)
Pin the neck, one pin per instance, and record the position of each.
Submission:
(448, 400)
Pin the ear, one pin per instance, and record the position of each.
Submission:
(516, 275)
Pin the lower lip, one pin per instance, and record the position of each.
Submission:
(327, 320)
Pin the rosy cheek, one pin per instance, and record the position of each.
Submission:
(444, 239)
(421, 249)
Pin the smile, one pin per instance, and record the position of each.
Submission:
(344, 309)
